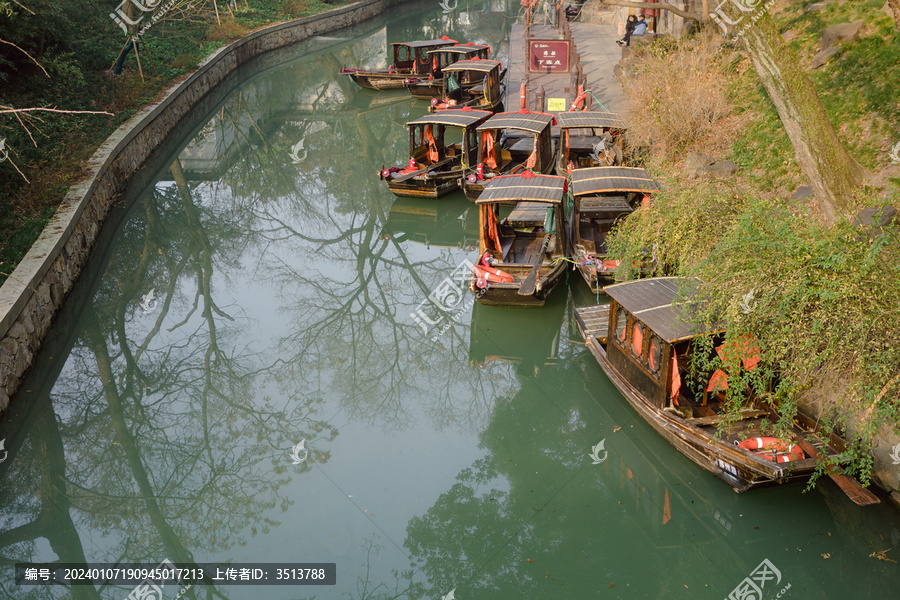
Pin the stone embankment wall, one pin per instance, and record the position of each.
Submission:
(35, 291)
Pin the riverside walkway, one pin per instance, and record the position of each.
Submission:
(598, 53)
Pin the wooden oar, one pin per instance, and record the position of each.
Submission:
(527, 287)
(850, 486)
(406, 176)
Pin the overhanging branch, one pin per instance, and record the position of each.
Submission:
(656, 5)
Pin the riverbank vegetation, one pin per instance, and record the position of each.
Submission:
(819, 296)
(59, 55)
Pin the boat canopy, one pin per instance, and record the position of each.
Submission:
(594, 180)
(426, 43)
(583, 120)
(482, 65)
(527, 187)
(460, 117)
(664, 304)
(464, 49)
(534, 122)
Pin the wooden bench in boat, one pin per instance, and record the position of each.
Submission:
(527, 214)
(607, 206)
(593, 321)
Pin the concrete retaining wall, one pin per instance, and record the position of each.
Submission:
(32, 296)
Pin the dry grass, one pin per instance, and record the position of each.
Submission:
(677, 95)
(228, 29)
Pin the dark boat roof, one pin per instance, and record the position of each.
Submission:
(461, 49)
(484, 65)
(608, 179)
(459, 117)
(576, 120)
(663, 304)
(528, 187)
(426, 43)
(534, 122)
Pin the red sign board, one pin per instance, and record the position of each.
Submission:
(548, 56)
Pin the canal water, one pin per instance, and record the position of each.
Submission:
(260, 287)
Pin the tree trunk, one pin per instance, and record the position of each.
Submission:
(831, 171)
(894, 5)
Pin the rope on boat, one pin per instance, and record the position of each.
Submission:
(598, 101)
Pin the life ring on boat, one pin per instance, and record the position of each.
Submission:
(492, 274)
(579, 101)
(772, 448)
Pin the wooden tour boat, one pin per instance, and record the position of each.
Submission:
(474, 83)
(511, 142)
(426, 88)
(435, 167)
(410, 60)
(589, 139)
(644, 339)
(603, 195)
(521, 255)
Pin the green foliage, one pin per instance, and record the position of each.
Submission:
(824, 302)
(76, 42)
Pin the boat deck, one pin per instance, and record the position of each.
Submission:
(593, 321)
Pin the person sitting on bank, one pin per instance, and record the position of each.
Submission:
(629, 28)
(640, 28)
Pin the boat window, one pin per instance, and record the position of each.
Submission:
(621, 323)
(417, 137)
(637, 338)
(655, 355)
(402, 53)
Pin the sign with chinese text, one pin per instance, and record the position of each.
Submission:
(548, 56)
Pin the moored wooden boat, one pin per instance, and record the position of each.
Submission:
(436, 168)
(410, 60)
(643, 347)
(589, 139)
(426, 88)
(510, 142)
(474, 83)
(521, 256)
(602, 196)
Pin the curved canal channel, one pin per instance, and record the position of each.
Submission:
(258, 295)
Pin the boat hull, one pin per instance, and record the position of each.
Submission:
(412, 188)
(473, 190)
(507, 294)
(374, 80)
(425, 90)
(725, 461)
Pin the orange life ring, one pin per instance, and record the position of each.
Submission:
(492, 274)
(772, 448)
(578, 102)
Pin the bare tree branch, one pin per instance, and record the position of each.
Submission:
(658, 6)
(33, 59)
